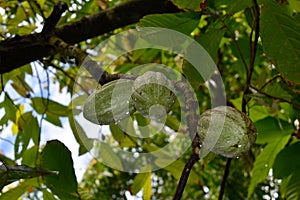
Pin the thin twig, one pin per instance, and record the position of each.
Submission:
(69, 76)
(232, 35)
(270, 80)
(38, 79)
(37, 153)
(224, 179)
(82, 58)
(30, 2)
(253, 49)
(2, 84)
(54, 17)
(6, 140)
(274, 97)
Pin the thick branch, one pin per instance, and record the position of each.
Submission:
(53, 19)
(19, 51)
(110, 19)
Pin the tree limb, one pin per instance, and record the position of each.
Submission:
(185, 175)
(224, 179)
(192, 123)
(53, 19)
(21, 50)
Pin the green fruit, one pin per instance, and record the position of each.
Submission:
(153, 96)
(226, 131)
(110, 104)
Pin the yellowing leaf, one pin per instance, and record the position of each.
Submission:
(147, 188)
(20, 16)
(15, 126)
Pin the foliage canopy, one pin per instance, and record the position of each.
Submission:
(255, 45)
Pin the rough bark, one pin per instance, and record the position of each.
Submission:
(21, 50)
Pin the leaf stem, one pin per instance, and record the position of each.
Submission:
(274, 97)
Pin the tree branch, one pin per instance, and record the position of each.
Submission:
(224, 179)
(21, 50)
(253, 49)
(192, 123)
(112, 18)
(53, 19)
(185, 175)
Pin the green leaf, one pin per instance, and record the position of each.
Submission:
(124, 68)
(280, 35)
(188, 5)
(233, 6)
(143, 124)
(19, 72)
(279, 89)
(264, 162)
(19, 17)
(42, 105)
(20, 85)
(89, 7)
(6, 160)
(173, 122)
(29, 126)
(21, 144)
(22, 30)
(184, 22)
(123, 139)
(139, 181)
(48, 195)
(29, 156)
(109, 157)
(57, 157)
(288, 112)
(268, 131)
(290, 187)
(287, 161)
(211, 39)
(258, 112)
(143, 55)
(37, 6)
(16, 192)
(53, 119)
(270, 128)
(295, 5)
(192, 75)
(10, 108)
(244, 47)
(85, 144)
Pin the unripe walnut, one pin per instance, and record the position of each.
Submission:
(226, 131)
(110, 104)
(153, 96)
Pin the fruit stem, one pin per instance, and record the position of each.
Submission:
(185, 175)
(225, 176)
